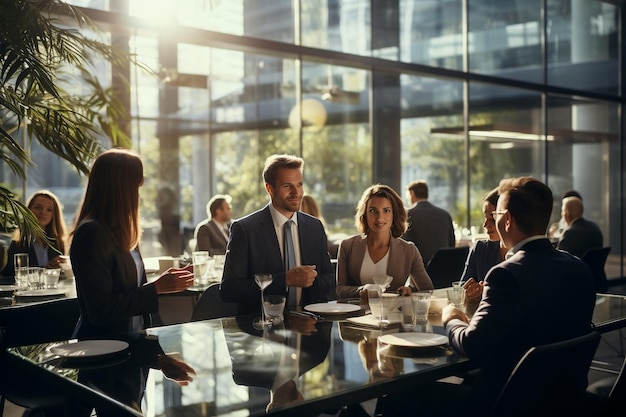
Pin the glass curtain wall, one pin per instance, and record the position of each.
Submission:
(366, 92)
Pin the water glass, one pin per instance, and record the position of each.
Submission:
(20, 262)
(274, 307)
(455, 296)
(51, 277)
(408, 314)
(375, 301)
(200, 268)
(35, 278)
(421, 305)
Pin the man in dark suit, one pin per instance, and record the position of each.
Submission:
(581, 234)
(430, 227)
(257, 245)
(212, 233)
(538, 295)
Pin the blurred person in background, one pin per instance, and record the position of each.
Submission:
(43, 251)
(212, 233)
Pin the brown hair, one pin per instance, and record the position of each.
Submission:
(276, 162)
(399, 212)
(112, 195)
(529, 201)
(419, 188)
(216, 203)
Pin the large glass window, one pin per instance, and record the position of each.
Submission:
(505, 38)
(583, 44)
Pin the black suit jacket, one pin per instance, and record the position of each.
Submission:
(540, 295)
(580, 236)
(253, 248)
(430, 228)
(106, 284)
(9, 269)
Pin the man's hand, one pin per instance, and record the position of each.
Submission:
(450, 312)
(301, 276)
(473, 290)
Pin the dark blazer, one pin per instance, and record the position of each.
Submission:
(209, 237)
(253, 248)
(404, 261)
(9, 269)
(482, 257)
(106, 284)
(540, 295)
(430, 228)
(580, 236)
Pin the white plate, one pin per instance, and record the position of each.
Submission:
(4, 288)
(89, 348)
(414, 339)
(40, 293)
(332, 308)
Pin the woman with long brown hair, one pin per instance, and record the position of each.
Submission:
(44, 250)
(110, 277)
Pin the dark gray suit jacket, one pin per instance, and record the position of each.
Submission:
(580, 236)
(209, 237)
(253, 248)
(540, 295)
(430, 228)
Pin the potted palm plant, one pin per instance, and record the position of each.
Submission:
(46, 47)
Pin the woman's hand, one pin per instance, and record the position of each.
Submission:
(404, 291)
(174, 280)
(175, 369)
(55, 263)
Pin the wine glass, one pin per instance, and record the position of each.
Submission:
(263, 281)
(383, 281)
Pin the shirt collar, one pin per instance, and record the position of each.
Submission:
(520, 244)
(279, 219)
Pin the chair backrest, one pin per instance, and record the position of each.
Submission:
(596, 259)
(549, 379)
(447, 265)
(211, 306)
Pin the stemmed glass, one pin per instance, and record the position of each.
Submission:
(383, 281)
(263, 281)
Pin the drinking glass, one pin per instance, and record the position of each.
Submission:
(421, 305)
(263, 281)
(200, 268)
(273, 308)
(375, 301)
(20, 262)
(51, 277)
(35, 278)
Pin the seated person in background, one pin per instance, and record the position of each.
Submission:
(581, 234)
(212, 234)
(381, 219)
(484, 254)
(47, 208)
(556, 229)
(309, 206)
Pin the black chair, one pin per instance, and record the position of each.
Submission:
(596, 259)
(210, 305)
(447, 265)
(607, 397)
(549, 380)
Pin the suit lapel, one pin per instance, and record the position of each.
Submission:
(270, 240)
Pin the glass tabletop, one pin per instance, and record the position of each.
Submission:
(314, 366)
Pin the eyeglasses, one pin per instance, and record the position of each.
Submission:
(496, 212)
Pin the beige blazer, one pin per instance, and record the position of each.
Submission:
(404, 261)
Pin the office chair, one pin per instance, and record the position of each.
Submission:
(596, 259)
(549, 380)
(447, 265)
(211, 306)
